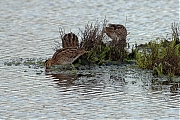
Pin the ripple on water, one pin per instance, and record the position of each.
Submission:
(73, 96)
(28, 30)
(99, 92)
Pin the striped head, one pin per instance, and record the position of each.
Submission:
(48, 63)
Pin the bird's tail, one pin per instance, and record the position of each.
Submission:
(70, 40)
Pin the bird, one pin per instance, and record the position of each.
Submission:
(117, 33)
(70, 40)
(65, 56)
(68, 54)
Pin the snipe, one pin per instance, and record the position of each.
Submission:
(65, 56)
(68, 54)
(117, 33)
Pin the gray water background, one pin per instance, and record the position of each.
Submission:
(28, 29)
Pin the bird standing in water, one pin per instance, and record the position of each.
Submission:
(68, 54)
(65, 56)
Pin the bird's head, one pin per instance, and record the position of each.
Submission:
(48, 63)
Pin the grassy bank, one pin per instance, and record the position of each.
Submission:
(161, 56)
(94, 40)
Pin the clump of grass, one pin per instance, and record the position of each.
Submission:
(161, 56)
(93, 39)
(93, 35)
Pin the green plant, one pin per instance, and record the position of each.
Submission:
(162, 57)
(92, 39)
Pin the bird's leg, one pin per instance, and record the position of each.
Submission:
(72, 66)
(75, 70)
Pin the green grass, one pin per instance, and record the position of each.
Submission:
(161, 56)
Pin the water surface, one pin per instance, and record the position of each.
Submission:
(28, 30)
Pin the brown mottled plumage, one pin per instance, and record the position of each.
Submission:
(117, 33)
(70, 40)
(68, 54)
(65, 56)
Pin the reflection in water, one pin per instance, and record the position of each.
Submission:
(112, 89)
(174, 87)
(28, 30)
(96, 76)
(161, 84)
(63, 79)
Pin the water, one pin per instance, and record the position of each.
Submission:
(28, 30)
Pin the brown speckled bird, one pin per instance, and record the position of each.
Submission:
(68, 54)
(65, 56)
(117, 33)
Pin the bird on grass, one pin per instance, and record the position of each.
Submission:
(68, 54)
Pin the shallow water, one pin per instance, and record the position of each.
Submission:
(28, 30)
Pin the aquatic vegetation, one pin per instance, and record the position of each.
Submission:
(93, 39)
(30, 62)
(161, 56)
